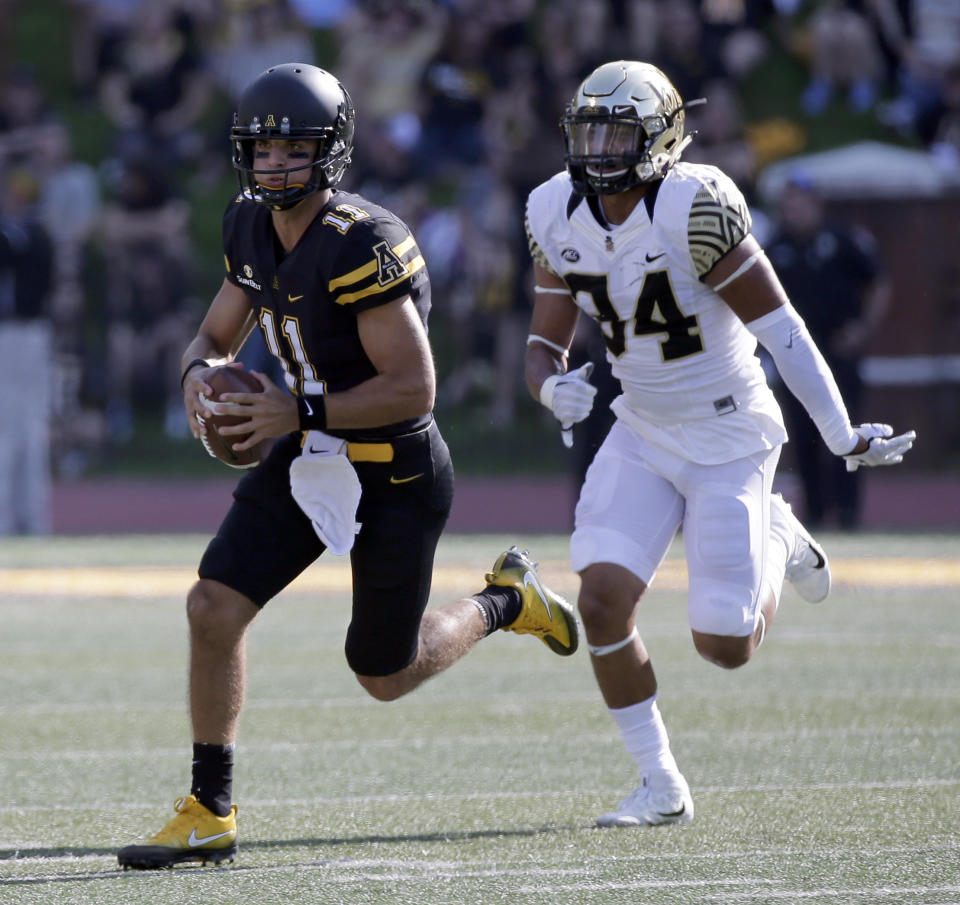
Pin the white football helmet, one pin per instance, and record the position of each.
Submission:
(623, 127)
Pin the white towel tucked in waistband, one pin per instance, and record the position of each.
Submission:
(327, 489)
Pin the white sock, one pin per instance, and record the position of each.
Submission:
(645, 736)
(762, 625)
(780, 546)
(776, 566)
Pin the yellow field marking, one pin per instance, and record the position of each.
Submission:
(122, 581)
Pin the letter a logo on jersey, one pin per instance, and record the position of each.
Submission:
(389, 267)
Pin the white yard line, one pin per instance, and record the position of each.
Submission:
(350, 872)
(488, 740)
(138, 582)
(249, 803)
(872, 893)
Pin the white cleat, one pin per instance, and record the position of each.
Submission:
(663, 798)
(807, 567)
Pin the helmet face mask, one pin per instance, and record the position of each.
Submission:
(606, 147)
(292, 102)
(624, 127)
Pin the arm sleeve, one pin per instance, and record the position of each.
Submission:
(806, 374)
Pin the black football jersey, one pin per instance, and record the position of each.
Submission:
(355, 255)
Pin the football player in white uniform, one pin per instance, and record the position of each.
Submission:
(660, 253)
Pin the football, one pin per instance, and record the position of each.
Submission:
(225, 379)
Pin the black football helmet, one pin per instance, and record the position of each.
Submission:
(287, 102)
(623, 127)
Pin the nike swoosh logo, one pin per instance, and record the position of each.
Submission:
(394, 480)
(651, 258)
(195, 841)
(679, 813)
(307, 406)
(294, 298)
(530, 579)
(790, 339)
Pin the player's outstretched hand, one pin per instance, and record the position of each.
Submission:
(882, 447)
(569, 396)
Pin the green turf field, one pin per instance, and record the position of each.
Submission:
(825, 771)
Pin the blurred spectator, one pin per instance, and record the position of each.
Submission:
(514, 127)
(385, 168)
(845, 56)
(158, 86)
(98, 29)
(6, 10)
(492, 340)
(254, 36)
(719, 134)
(455, 85)
(518, 120)
(322, 13)
(945, 144)
(931, 50)
(642, 28)
(573, 37)
(145, 241)
(684, 50)
(832, 274)
(69, 209)
(25, 358)
(24, 111)
(735, 28)
(27, 250)
(383, 50)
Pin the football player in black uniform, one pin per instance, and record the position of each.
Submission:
(340, 290)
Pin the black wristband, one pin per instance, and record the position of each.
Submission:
(190, 367)
(313, 413)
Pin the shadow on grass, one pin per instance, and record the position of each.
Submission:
(13, 855)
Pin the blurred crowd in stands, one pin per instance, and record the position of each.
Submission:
(458, 103)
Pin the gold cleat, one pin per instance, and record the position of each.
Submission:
(543, 613)
(195, 834)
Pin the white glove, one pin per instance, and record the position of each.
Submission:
(884, 448)
(570, 397)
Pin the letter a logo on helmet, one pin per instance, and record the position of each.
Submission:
(289, 102)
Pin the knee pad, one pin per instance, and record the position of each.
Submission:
(725, 566)
(723, 530)
(722, 608)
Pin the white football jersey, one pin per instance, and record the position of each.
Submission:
(687, 365)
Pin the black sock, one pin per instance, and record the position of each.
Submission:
(213, 777)
(500, 606)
